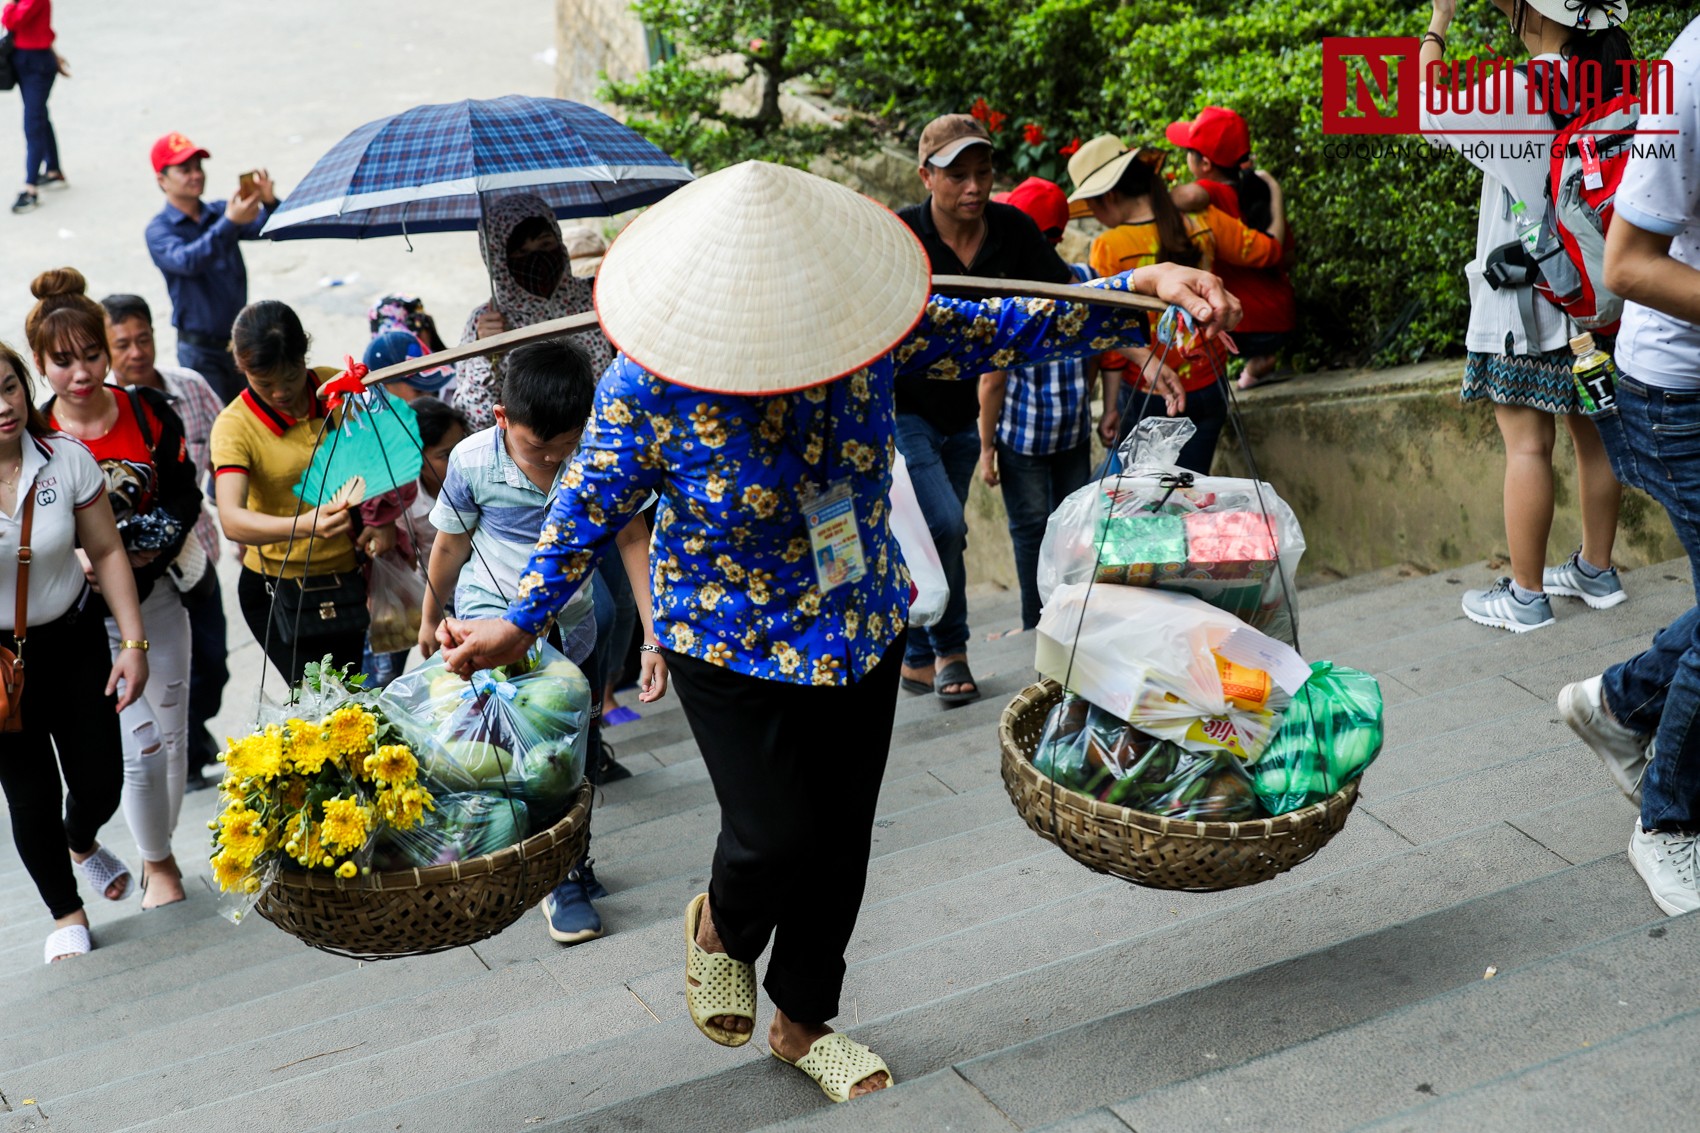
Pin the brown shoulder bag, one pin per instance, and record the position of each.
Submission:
(12, 660)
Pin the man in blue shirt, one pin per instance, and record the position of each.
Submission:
(195, 244)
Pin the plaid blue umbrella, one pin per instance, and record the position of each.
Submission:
(431, 168)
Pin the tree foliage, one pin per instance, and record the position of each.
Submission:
(1383, 234)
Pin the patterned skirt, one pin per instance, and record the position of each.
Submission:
(1539, 381)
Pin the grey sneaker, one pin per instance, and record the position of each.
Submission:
(1602, 592)
(1625, 752)
(1498, 607)
(1666, 862)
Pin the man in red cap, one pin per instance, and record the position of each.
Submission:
(195, 243)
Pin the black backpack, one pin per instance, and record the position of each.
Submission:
(8, 72)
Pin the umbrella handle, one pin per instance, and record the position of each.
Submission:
(955, 286)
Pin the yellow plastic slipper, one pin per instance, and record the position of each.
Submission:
(837, 1063)
(724, 986)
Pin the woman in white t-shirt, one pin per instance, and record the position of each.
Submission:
(1519, 358)
(68, 701)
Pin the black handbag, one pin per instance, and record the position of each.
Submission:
(319, 605)
(8, 69)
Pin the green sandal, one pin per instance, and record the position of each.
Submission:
(724, 986)
(838, 1063)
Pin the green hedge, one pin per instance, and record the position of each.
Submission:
(1382, 239)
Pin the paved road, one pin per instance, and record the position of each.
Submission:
(257, 85)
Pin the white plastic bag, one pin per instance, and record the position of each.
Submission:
(1164, 663)
(915, 541)
(1158, 525)
(395, 596)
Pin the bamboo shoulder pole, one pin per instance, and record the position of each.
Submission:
(954, 286)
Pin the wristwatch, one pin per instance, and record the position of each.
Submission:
(129, 644)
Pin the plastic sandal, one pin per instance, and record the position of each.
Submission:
(724, 986)
(63, 943)
(956, 673)
(620, 715)
(837, 1063)
(101, 868)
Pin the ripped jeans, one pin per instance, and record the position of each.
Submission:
(155, 728)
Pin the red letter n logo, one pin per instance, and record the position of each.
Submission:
(1369, 85)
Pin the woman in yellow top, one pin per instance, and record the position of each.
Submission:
(261, 444)
(1123, 189)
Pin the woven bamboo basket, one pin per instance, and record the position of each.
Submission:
(1162, 853)
(414, 912)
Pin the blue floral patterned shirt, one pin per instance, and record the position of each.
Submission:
(731, 568)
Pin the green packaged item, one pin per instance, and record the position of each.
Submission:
(461, 827)
(1137, 550)
(1088, 750)
(1331, 731)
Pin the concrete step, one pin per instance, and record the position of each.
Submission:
(1444, 1047)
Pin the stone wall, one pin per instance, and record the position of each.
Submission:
(593, 37)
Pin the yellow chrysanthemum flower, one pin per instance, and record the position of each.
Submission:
(405, 807)
(346, 870)
(257, 756)
(310, 747)
(345, 824)
(228, 872)
(351, 729)
(293, 794)
(242, 834)
(392, 764)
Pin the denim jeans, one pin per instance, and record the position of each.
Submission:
(616, 617)
(1033, 487)
(1653, 440)
(941, 466)
(218, 367)
(36, 71)
(1207, 408)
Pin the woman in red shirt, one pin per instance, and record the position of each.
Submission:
(137, 440)
(31, 25)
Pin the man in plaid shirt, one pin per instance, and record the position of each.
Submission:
(129, 336)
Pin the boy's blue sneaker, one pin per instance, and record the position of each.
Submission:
(572, 918)
(1498, 607)
(1568, 580)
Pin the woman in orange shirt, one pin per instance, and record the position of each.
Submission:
(1124, 191)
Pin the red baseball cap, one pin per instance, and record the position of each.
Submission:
(174, 149)
(1042, 200)
(1217, 133)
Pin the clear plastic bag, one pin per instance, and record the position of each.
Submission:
(1226, 540)
(461, 827)
(1155, 660)
(396, 597)
(920, 555)
(1086, 749)
(1330, 733)
(520, 734)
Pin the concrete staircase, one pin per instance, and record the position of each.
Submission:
(1009, 987)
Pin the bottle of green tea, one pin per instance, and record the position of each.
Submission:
(1595, 374)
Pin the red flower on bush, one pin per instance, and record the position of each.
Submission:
(1073, 144)
(995, 120)
(1032, 133)
(979, 110)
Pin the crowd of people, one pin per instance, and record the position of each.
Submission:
(712, 468)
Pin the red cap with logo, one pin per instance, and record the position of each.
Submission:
(1217, 133)
(174, 149)
(1042, 200)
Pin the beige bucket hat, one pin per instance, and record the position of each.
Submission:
(761, 279)
(1595, 16)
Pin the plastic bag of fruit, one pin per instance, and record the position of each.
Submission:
(395, 595)
(1330, 733)
(519, 730)
(461, 827)
(1087, 749)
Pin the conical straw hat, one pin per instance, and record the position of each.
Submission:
(761, 279)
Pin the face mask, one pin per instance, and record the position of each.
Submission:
(539, 272)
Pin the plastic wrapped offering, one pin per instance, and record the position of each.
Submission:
(1086, 749)
(461, 827)
(1329, 734)
(395, 597)
(1169, 664)
(521, 734)
(1235, 543)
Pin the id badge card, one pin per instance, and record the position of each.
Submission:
(1592, 178)
(835, 540)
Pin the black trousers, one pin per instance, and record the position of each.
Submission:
(797, 771)
(65, 706)
(256, 605)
